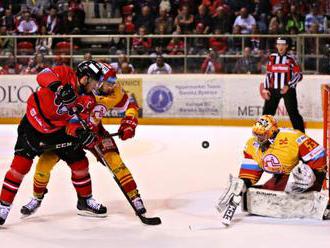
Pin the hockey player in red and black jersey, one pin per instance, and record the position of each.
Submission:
(109, 95)
(45, 121)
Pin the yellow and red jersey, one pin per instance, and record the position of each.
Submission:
(283, 154)
(118, 100)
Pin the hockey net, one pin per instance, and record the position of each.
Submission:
(326, 125)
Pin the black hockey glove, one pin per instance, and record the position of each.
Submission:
(86, 138)
(65, 95)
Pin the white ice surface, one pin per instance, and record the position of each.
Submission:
(179, 181)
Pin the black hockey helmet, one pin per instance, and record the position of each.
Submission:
(89, 68)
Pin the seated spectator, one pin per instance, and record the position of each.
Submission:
(280, 20)
(8, 20)
(78, 9)
(164, 19)
(129, 25)
(152, 4)
(220, 20)
(165, 5)
(246, 64)
(212, 5)
(6, 44)
(52, 21)
(118, 65)
(295, 20)
(38, 7)
(71, 24)
(262, 62)
(235, 43)
(262, 10)
(141, 44)
(185, 20)
(160, 67)
(11, 66)
(36, 64)
(310, 42)
(212, 63)
(203, 18)
(118, 45)
(245, 21)
(256, 43)
(125, 68)
(218, 44)
(44, 45)
(175, 46)
(88, 56)
(315, 17)
(199, 45)
(146, 20)
(27, 25)
(160, 44)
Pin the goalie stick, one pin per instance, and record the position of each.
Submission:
(144, 219)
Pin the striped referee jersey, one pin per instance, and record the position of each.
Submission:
(282, 70)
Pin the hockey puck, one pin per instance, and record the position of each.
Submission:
(205, 144)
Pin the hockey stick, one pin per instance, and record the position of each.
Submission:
(144, 219)
(48, 148)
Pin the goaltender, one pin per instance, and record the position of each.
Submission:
(297, 165)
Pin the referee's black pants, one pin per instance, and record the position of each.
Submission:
(291, 105)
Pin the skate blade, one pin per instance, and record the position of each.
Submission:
(90, 214)
(25, 216)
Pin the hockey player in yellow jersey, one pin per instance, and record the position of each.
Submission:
(109, 95)
(297, 165)
(278, 151)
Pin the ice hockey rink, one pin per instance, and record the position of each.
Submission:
(179, 181)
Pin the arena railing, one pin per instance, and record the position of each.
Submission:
(311, 50)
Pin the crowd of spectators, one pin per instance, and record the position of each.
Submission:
(144, 17)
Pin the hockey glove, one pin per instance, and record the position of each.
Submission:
(301, 178)
(86, 138)
(127, 127)
(65, 95)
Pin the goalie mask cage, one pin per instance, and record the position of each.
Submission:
(326, 126)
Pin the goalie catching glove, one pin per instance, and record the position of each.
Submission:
(301, 179)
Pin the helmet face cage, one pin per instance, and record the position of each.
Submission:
(89, 68)
(264, 128)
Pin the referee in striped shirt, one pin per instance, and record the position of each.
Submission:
(283, 74)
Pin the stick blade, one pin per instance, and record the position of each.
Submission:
(153, 221)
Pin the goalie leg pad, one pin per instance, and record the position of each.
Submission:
(311, 205)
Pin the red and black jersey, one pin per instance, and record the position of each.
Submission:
(43, 113)
(282, 70)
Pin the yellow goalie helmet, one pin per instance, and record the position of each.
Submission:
(264, 128)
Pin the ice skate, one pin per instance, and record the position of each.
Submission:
(90, 207)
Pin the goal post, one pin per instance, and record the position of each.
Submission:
(326, 125)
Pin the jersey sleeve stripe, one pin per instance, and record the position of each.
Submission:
(253, 167)
(312, 154)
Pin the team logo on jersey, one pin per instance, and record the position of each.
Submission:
(284, 141)
(271, 164)
(160, 99)
(99, 111)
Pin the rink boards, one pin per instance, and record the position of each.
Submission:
(191, 99)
